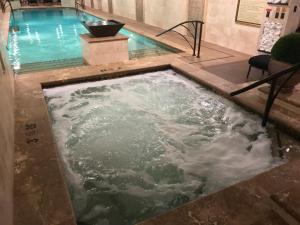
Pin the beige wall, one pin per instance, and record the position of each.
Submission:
(68, 3)
(6, 141)
(124, 8)
(160, 13)
(165, 13)
(219, 17)
(97, 4)
(88, 3)
(221, 28)
(196, 9)
(105, 5)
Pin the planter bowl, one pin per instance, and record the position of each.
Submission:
(105, 28)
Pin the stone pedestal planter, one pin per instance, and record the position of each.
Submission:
(104, 50)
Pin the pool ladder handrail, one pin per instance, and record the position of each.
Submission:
(4, 5)
(80, 3)
(195, 33)
(274, 89)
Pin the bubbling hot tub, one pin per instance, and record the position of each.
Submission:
(137, 146)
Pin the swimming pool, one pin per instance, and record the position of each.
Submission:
(48, 38)
(135, 147)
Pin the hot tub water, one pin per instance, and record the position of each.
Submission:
(138, 146)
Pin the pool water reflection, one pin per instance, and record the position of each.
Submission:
(40, 36)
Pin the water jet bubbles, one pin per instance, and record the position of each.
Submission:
(153, 142)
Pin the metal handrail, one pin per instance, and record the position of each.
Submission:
(274, 90)
(197, 36)
(80, 3)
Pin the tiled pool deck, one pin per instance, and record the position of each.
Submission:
(40, 192)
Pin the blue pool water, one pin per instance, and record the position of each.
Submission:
(41, 36)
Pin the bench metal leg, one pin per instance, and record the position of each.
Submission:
(249, 70)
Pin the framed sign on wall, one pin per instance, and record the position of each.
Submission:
(249, 12)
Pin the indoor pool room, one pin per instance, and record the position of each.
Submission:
(150, 112)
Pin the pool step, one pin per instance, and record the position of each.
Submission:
(57, 64)
(50, 65)
(135, 54)
(287, 102)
